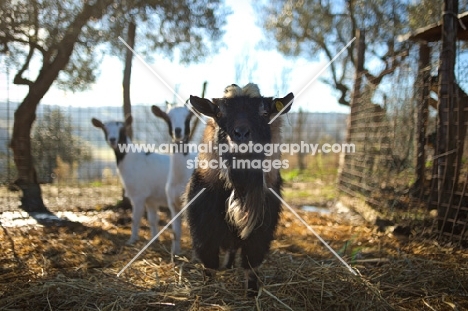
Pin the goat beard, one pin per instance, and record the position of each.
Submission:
(245, 206)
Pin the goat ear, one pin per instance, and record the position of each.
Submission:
(203, 106)
(97, 123)
(282, 105)
(160, 114)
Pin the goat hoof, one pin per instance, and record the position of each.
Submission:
(252, 288)
(252, 284)
(209, 275)
(251, 293)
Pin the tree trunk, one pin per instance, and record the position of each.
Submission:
(197, 120)
(21, 146)
(25, 116)
(26, 112)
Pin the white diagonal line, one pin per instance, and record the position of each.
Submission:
(313, 231)
(314, 78)
(162, 80)
(160, 232)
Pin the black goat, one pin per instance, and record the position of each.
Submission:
(237, 210)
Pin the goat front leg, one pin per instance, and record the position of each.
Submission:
(209, 256)
(153, 218)
(253, 253)
(251, 282)
(176, 225)
(137, 213)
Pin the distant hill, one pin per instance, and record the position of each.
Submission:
(147, 128)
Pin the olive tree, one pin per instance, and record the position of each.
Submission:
(59, 42)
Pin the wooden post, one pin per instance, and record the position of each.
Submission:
(422, 88)
(127, 106)
(127, 103)
(446, 129)
(197, 120)
(299, 129)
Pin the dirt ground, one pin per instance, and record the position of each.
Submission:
(73, 265)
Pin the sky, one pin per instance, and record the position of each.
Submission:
(153, 83)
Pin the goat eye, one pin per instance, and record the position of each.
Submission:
(218, 114)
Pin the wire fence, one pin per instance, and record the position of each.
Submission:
(382, 127)
(399, 160)
(77, 169)
(411, 151)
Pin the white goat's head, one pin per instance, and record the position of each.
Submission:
(178, 119)
(114, 131)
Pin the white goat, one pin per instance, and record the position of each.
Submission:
(143, 176)
(178, 121)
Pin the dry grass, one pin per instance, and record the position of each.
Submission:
(74, 267)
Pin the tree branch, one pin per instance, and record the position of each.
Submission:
(19, 79)
(65, 47)
(350, 5)
(392, 62)
(344, 91)
(7, 38)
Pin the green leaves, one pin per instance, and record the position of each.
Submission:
(317, 28)
(189, 29)
(38, 27)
